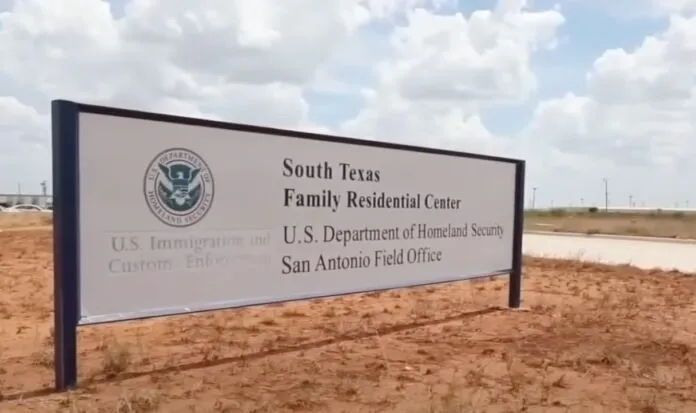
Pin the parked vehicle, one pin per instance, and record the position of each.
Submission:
(20, 208)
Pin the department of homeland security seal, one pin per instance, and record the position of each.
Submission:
(178, 187)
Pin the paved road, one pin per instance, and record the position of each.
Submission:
(641, 253)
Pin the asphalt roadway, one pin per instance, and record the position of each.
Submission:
(642, 252)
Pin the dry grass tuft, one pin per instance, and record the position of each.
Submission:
(116, 358)
(663, 224)
(21, 220)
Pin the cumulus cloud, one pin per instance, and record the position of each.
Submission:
(445, 68)
(639, 108)
(674, 6)
(24, 145)
(20, 124)
(636, 124)
(169, 56)
(255, 61)
(422, 72)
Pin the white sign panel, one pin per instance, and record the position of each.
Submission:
(177, 218)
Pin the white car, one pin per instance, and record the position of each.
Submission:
(25, 208)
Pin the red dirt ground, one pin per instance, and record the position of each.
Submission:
(594, 339)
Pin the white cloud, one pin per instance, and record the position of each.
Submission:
(24, 146)
(483, 58)
(171, 57)
(446, 68)
(636, 123)
(640, 108)
(413, 71)
(674, 6)
(20, 124)
(253, 60)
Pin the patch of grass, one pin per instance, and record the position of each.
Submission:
(19, 220)
(656, 224)
(139, 402)
(116, 358)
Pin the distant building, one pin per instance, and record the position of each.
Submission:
(8, 200)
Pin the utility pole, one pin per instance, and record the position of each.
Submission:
(606, 195)
(630, 200)
(582, 201)
(44, 188)
(534, 197)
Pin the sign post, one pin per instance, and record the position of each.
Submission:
(228, 215)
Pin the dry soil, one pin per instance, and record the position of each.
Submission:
(593, 339)
(14, 221)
